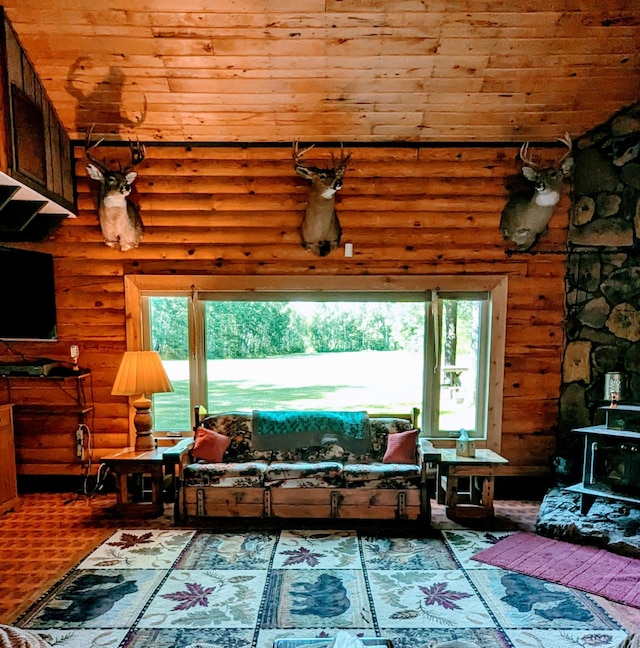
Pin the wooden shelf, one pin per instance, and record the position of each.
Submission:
(80, 375)
(47, 412)
(56, 410)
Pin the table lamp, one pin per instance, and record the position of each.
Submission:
(141, 372)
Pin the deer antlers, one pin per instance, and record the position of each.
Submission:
(340, 165)
(524, 152)
(136, 148)
(297, 154)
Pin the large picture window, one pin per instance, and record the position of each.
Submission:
(361, 349)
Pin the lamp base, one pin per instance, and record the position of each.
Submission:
(143, 422)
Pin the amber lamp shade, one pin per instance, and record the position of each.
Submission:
(141, 373)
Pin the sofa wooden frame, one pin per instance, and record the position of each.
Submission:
(411, 504)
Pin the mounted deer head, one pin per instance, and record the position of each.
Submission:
(120, 220)
(320, 230)
(526, 216)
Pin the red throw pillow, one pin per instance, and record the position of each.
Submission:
(210, 445)
(401, 447)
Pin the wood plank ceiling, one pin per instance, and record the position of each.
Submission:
(333, 70)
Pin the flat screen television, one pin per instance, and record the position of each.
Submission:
(27, 295)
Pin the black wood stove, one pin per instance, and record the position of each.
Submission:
(611, 466)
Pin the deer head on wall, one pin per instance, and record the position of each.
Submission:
(120, 220)
(527, 213)
(320, 230)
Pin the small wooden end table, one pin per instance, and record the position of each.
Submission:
(476, 501)
(131, 467)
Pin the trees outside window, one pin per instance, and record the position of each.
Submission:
(280, 352)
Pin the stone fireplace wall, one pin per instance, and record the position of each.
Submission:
(602, 281)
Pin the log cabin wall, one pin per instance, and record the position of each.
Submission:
(235, 210)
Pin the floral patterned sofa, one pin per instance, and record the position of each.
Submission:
(380, 472)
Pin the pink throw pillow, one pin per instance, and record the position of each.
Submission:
(401, 447)
(210, 445)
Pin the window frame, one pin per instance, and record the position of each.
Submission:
(496, 286)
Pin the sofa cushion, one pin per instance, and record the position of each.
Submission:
(381, 428)
(210, 445)
(312, 454)
(300, 474)
(401, 448)
(240, 475)
(381, 475)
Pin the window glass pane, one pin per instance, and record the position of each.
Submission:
(356, 355)
(459, 366)
(169, 336)
(352, 354)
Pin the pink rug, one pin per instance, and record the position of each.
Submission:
(589, 569)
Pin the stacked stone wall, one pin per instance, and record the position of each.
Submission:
(602, 281)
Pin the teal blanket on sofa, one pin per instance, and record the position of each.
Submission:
(291, 429)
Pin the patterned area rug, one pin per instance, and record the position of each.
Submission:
(197, 589)
(590, 569)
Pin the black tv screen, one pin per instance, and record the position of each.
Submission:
(27, 295)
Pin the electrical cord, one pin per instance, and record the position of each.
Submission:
(86, 449)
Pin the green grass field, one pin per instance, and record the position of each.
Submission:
(375, 381)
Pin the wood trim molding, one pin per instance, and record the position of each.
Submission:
(138, 285)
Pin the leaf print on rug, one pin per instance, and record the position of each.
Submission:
(193, 595)
(566, 638)
(301, 556)
(187, 638)
(249, 550)
(420, 637)
(403, 599)
(84, 638)
(438, 594)
(322, 549)
(146, 549)
(130, 540)
(206, 599)
(465, 543)
(406, 553)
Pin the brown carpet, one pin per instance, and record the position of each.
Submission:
(44, 539)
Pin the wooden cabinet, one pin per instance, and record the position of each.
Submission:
(8, 484)
(36, 179)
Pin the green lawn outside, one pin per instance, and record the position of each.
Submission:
(375, 381)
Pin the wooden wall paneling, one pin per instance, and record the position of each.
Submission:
(397, 71)
(228, 212)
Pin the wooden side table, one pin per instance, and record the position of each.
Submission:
(476, 499)
(131, 468)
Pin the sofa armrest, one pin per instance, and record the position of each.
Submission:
(428, 457)
(427, 452)
(175, 454)
(175, 459)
